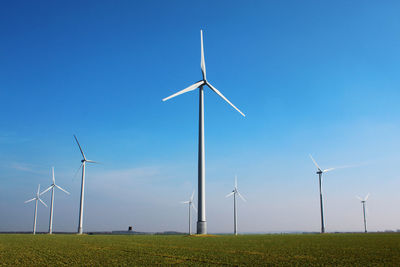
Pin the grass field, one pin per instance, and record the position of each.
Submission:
(150, 250)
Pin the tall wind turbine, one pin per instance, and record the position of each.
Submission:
(201, 215)
(363, 200)
(36, 202)
(190, 205)
(52, 186)
(235, 192)
(83, 165)
(320, 172)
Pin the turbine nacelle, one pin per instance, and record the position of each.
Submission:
(235, 191)
(202, 82)
(363, 200)
(37, 197)
(319, 170)
(89, 161)
(54, 185)
(84, 160)
(190, 202)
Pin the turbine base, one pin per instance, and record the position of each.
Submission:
(201, 227)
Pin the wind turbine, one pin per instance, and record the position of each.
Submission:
(320, 172)
(201, 215)
(52, 199)
(83, 165)
(36, 202)
(190, 205)
(363, 200)
(235, 192)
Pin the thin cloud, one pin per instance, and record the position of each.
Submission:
(25, 167)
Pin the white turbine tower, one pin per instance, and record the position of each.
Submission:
(235, 192)
(201, 216)
(363, 201)
(190, 205)
(320, 172)
(52, 186)
(36, 202)
(83, 165)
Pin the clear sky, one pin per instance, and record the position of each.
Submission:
(313, 77)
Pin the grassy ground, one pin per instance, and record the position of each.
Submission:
(251, 250)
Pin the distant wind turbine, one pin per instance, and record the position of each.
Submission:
(201, 218)
(190, 205)
(83, 165)
(320, 172)
(363, 201)
(52, 199)
(36, 202)
(235, 192)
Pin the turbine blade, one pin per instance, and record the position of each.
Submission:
(91, 161)
(185, 202)
(78, 170)
(83, 155)
(59, 187)
(30, 200)
(194, 207)
(203, 63)
(359, 198)
(54, 179)
(328, 170)
(42, 202)
(38, 190)
(315, 163)
(235, 181)
(224, 98)
(230, 194)
(191, 198)
(188, 89)
(51, 186)
(366, 198)
(240, 195)
(340, 167)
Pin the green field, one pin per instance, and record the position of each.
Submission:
(150, 250)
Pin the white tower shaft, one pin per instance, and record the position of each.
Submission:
(35, 216)
(80, 229)
(51, 211)
(365, 219)
(321, 202)
(190, 220)
(234, 214)
(201, 214)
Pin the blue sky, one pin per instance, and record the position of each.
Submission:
(311, 77)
